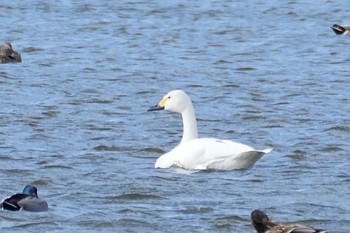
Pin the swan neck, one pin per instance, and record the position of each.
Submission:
(189, 125)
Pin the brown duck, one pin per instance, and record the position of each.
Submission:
(7, 54)
(262, 224)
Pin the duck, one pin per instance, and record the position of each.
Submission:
(341, 30)
(27, 200)
(195, 153)
(262, 224)
(7, 54)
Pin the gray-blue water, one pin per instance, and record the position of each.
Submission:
(74, 120)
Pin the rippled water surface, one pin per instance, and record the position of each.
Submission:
(74, 120)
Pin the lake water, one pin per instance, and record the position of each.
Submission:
(74, 120)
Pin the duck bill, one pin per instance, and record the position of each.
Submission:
(155, 108)
(270, 224)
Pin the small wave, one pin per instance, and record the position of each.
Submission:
(197, 210)
(331, 148)
(340, 128)
(135, 196)
(246, 68)
(152, 150)
(32, 49)
(58, 166)
(111, 148)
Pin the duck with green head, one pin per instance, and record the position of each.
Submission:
(27, 200)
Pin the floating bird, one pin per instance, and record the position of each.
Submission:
(262, 224)
(341, 30)
(27, 200)
(195, 153)
(7, 54)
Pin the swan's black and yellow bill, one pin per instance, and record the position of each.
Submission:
(159, 106)
(156, 108)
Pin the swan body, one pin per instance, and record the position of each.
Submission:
(262, 224)
(341, 30)
(27, 200)
(195, 153)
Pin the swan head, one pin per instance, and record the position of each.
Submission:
(174, 101)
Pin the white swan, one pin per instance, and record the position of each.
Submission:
(195, 153)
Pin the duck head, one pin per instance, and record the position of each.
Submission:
(30, 190)
(6, 49)
(7, 54)
(260, 221)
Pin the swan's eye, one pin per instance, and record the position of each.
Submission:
(169, 97)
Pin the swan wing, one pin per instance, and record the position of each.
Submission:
(211, 153)
(243, 160)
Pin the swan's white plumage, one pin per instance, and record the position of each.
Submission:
(195, 153)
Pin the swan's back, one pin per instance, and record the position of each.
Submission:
(212, 154)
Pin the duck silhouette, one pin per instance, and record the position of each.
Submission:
(262, 224)
(7, 54)
(27, 200)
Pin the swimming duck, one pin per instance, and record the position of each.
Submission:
(27, 200)
(262, 224)
(341, 30)
(195, 153)
(7, 54)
